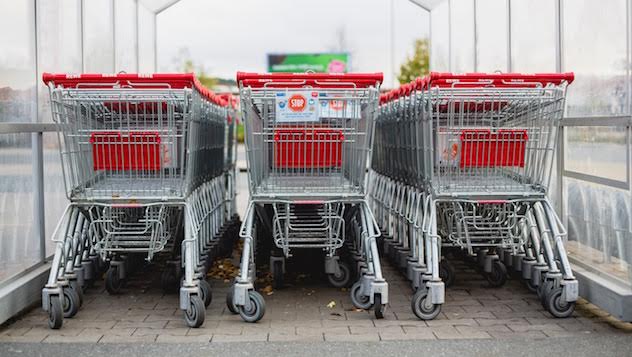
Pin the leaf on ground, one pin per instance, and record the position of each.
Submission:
(331, 304)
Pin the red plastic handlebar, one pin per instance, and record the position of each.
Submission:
(318, 80)
(132, 80)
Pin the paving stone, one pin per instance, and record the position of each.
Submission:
(141, 324)
(240, 338)
(280, 337)
(72, 339)
(452, 322)
(108, 338)
(487, 322)
(521, 335)
(122, 332)
(352, 338)
(183, 339)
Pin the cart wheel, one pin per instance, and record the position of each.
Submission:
(529, 284)
(205, 292)
(55, 313)
(277, 275)
(229, 302)
(74, 284)
(256, 310)
(194, 315)
(543, 292)
(378, 307)
(556, 306)
(498, 275)
(169, 280)
(112, 281)
(422, 307)
(71, 302)
(447, 273)
(343, 278)
(360, 301)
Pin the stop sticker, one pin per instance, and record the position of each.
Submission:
(297, 103)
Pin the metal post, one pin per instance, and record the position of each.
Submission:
(38, 192)
(37, 153)
(475, 39)
(509, 66)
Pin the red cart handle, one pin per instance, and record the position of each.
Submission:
(132, 80)
(359, 80)
(497, 79)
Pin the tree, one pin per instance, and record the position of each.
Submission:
(200, 73)
(416, 65)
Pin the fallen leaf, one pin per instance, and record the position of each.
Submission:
(331, 304)
(335, 314)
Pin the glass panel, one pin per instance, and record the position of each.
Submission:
(55, 200)
(17, 62)
(599, 231)
(462, 35)
(125, 35)
(533, 36)
(595, 49)
(491, 35)
(19, 249)
(98, 38)
(146, 40)
(599, 151)
(440, 38)
(59, 44)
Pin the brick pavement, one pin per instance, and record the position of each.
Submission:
(300, 313)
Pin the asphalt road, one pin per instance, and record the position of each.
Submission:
(575, 346)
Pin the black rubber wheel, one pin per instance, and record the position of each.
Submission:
(378, 307)
(360, 301)
(343, 279)
(112, 281)
(206, 293)
(498, 275)
(256, 310)
(71, 302)
(529, 284)
(55, 312)
(543, 292)
(229, 302)
(421, 306)
(195, 314)
(74, 284)
(447, 273)
(556, 306)
(277, 275)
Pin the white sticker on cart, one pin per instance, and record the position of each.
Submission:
(337, 106)
(294, 107)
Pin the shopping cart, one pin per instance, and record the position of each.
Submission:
(308, 139)
(146, 171)
(471, 169)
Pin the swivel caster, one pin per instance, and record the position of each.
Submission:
(556, 304)
(254, 309)
(205, 292)
(498, 276)
(378, 307)
(113, 282)
(55, 312)
(229, 303)
(72, 302)
(360, 301)
(342, 278)
(447, 273)
(422, 307)
(195, 314)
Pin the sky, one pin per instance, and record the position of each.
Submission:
(229, 36)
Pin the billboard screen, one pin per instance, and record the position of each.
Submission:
(303, 62)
